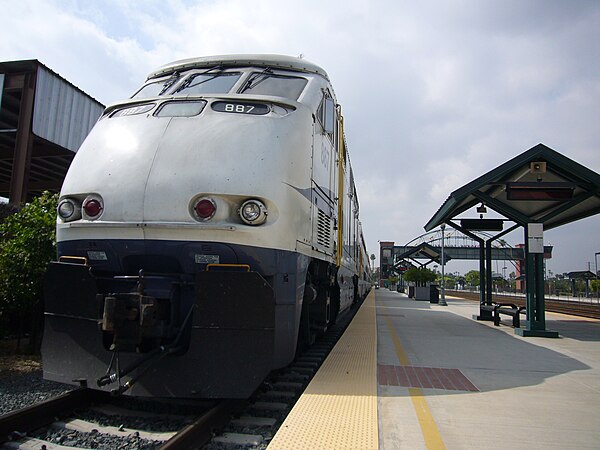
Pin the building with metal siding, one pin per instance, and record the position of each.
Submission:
(43, 120)
(62, 113)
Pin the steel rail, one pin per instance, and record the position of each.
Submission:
(36, 416)
(201, 431)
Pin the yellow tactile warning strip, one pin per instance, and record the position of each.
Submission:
(431, 434)
(338, 409)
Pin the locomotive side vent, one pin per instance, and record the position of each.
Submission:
(324, 230)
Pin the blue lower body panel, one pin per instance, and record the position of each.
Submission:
(178, 329)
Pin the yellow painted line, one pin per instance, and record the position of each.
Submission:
(431, 434)
(402, 357)
(433, 439)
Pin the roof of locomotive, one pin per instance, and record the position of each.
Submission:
(281, 61)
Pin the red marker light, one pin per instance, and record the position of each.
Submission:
(205, 209)
(92, 208)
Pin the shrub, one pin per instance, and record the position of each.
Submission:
(420, 276)
(27, 245)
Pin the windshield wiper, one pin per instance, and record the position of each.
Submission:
(255, 79)
(175, 76)
(188, 82)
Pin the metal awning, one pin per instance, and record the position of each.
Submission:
(423, 251)
(539, 190)
(538, 186)
(581, 275)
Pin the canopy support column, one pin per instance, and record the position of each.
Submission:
(535, 325)
(483, 298)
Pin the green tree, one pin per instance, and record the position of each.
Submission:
(595, 286)
(420, 276)
(562, 286)
(472, 277)
(450, 281)
(27, 245)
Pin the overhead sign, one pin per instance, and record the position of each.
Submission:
(482, 224)
(540, 191)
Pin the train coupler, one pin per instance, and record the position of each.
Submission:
(133, 321)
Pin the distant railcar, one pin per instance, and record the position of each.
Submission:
(207, 228)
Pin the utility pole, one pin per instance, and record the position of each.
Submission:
(373, 265)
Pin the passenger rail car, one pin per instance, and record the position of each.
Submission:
(208, 227)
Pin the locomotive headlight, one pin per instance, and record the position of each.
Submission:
(253, 212)
(68, 210)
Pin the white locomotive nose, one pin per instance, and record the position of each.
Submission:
(115, 164)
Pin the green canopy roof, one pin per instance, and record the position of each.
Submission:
(540, 173)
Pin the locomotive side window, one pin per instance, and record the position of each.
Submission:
(208, 83)
(133, 110)
(277, 85)
(180, 109)
(326, 115)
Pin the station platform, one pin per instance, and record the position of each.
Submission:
(413, 375)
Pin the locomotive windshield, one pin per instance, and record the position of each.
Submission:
(209, 83)
(261, 83)
(151, 90)
(202, 83)
(277, 85)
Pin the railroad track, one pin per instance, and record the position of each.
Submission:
(86, 418)
(564, 307)
(64, 422)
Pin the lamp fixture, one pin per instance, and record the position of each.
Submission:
(481, 209)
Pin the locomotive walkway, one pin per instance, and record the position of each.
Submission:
(443, 380)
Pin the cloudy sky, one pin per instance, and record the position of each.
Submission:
(434, 93)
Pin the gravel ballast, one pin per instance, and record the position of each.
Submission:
(18, 390)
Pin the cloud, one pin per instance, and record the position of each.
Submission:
(434, 93)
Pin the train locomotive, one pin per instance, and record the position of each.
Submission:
(208, 228)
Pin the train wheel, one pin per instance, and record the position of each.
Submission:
(335, 303)
(305, 335)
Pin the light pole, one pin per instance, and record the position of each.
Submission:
(596, 263)
(442, 301)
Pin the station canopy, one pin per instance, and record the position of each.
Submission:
(423, 251)
(539, 186)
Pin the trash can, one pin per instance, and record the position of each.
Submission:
(434, 294)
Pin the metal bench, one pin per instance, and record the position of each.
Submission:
(509, 309)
